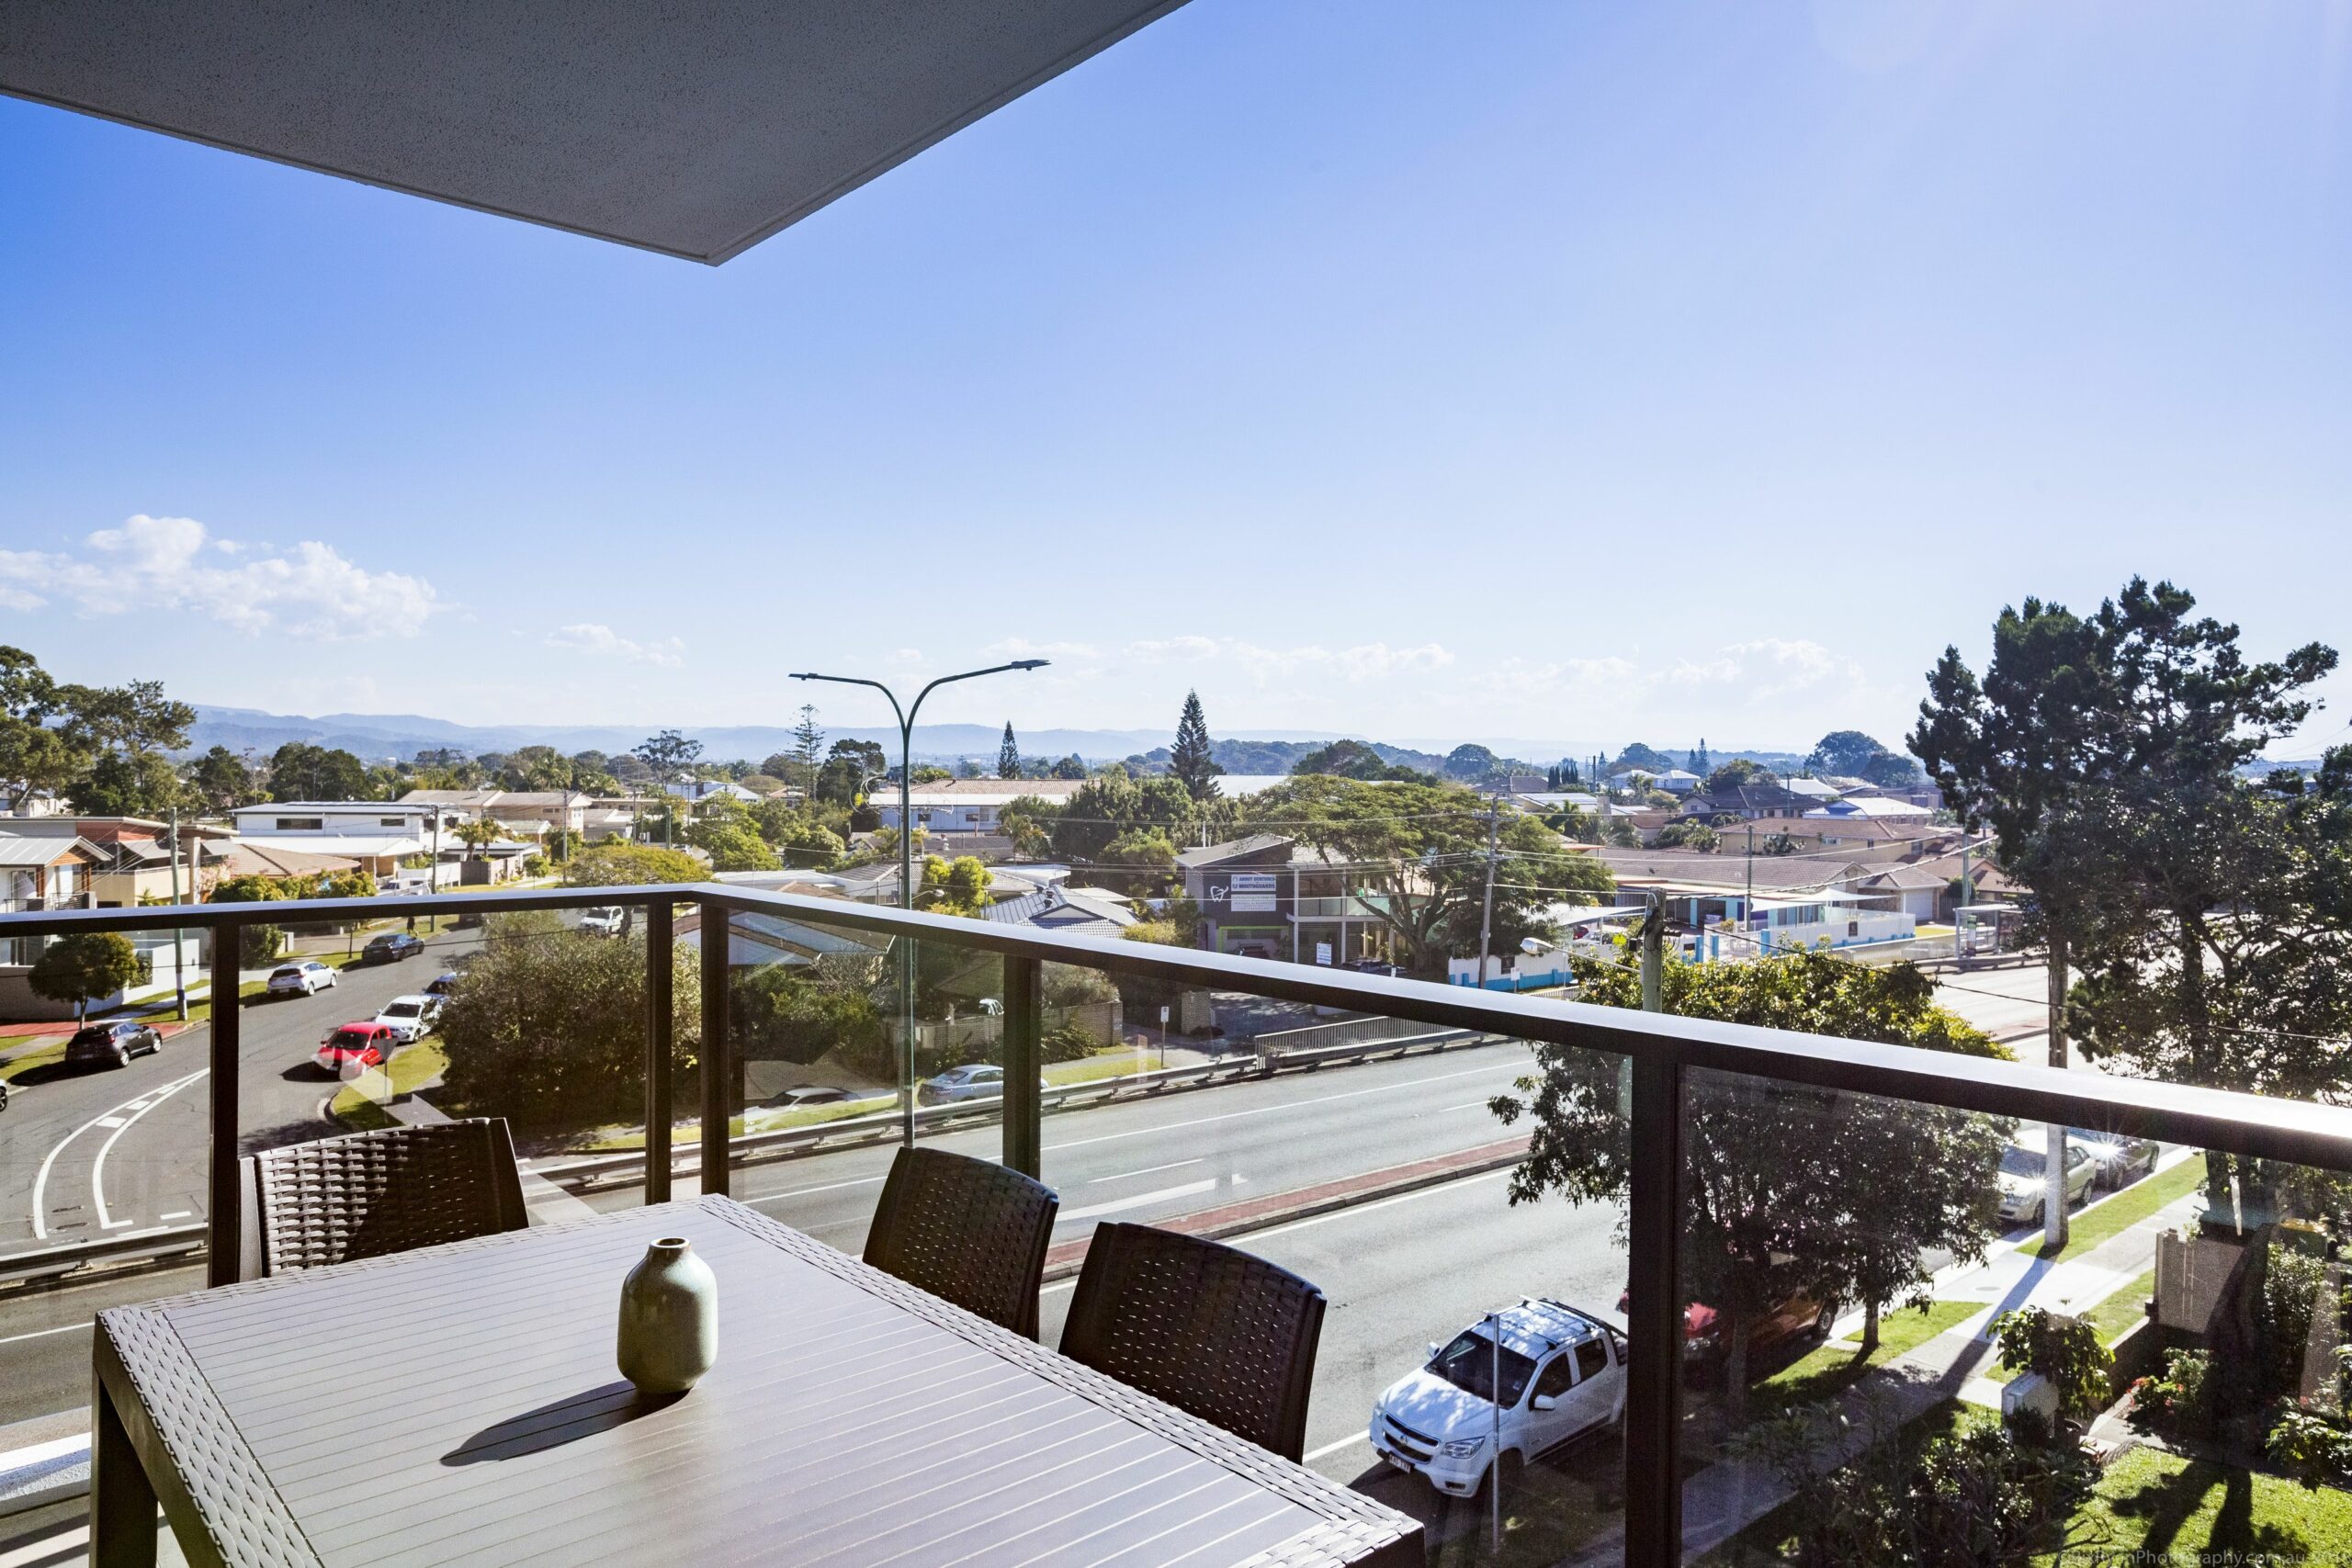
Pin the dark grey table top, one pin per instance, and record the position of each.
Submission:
(461, 1403)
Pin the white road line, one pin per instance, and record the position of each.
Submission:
(1147, 1170)
(43, 1333)
(1351, 1440)
(1120, 1205)
(178, 1214)
(40, 1227)
(804, 1192)
(1282, 1105)
(98, 1166)
(114, 1120)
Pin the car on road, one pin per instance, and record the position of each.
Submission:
(974, 1080)
(352, 1049)
(2117, 1159)
(2024, 1181)
(111, 1045)
(602, 921)
(1562, 1375)
(409, 1018)
(305, 977)
(390, 948)
(1798, 1321)
(815, 1094)
(444, 984)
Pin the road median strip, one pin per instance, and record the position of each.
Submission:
(1229, 1220)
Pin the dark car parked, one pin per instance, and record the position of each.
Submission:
(111, 1045)
(389, 948)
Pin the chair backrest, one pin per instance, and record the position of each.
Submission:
(1205, 1327)
(967, 1230)
(371, 1193)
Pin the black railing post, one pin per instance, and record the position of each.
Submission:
(657, 1050)
(1024, 1109)
(1654, 1320)
(717, 1064)
(224, 1198)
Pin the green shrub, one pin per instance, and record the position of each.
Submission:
(1067, 1042)
(2314, 1449)
(259, 945)
(2180, 1398)
(2292, 1284)
(2065, 1351)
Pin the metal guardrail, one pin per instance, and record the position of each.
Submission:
(851, 1131)
(1663, 1053)
(73, 1256)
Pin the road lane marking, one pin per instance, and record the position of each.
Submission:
(1354, 1210)
(40, 1225)
(43, 1333)
(1349, 1441)
(1119, 1205)
(804, 1192)
(112, 1121)
(98, 1166)
(1147, 1170)
(178, 1214)
(1282, 1105)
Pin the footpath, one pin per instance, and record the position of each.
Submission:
(1960, 1363)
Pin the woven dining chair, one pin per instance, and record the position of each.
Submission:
(968, 1230)
(371, 1193)
(1207, 1327)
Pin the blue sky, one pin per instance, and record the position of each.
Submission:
(1565, 371)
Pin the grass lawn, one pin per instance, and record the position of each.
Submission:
(25, 1061)
(410, 1067)
(1834, 1366)
(2126, 1208)
(2173, 1508)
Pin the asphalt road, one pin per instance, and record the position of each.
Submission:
(1148, 1160)
(109, 1152)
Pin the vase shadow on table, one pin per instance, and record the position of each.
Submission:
(566, 1421)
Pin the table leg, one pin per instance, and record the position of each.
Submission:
(123, 1502)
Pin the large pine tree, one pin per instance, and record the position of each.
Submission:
(1189, 759)
(1008, 756)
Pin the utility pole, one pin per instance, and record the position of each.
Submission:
(2053, 1201)
(1967, 896)
(1487, 911)
(1654, 954)
(179, 952)
(1747, 905)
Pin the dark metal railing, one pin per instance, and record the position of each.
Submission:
(1661, 1051)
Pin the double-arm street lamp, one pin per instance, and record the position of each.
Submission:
(907, 858)
(906, 754)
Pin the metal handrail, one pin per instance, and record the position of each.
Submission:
(1663, 1052)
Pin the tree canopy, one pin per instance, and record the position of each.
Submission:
(1189, 759)
(84, 967)
(1787, 1189)
(1419, 848)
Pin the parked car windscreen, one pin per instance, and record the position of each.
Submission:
(285, 969)
(1468, 1364)
(352, 1039)
(2016, 1161)
(401, 1010)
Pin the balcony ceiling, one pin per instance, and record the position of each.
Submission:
(694, 129)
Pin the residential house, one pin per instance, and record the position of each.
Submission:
(696, 791)
(955, 814)
(1089, 911)
(377, 834)
(528, 811)
(1749, 802)
(40, 872)
(1674, 781)
(1735, 906)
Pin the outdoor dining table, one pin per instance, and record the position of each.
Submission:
(461, 1403)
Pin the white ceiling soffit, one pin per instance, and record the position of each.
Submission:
(696, 130)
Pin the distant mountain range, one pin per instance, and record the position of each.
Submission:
(380, 737)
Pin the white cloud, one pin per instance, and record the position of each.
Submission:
(907, 658)
(1365, 661)
(1184, 648)
(1022, 648)
(590, 636)
(159, 563)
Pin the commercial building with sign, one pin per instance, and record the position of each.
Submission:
(1269, 897)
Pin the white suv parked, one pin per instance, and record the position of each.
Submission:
(410, 1017)
(1563, 1375)
(306, 978)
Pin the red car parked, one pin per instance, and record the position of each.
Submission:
(1800, 1321)
(354, 1048)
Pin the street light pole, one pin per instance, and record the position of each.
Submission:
(906, 715)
